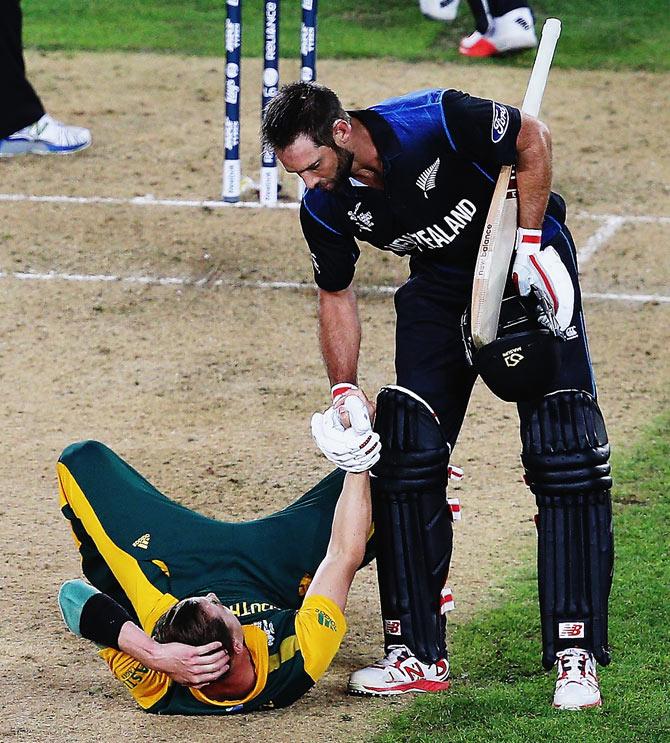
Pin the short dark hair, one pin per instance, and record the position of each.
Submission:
(188, 622)
(301, 108)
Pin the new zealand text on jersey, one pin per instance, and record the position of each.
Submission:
(436, 236)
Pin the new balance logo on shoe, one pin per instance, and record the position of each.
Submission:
(399, 672)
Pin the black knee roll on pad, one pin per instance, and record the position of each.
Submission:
(413, 529)
(565, 453)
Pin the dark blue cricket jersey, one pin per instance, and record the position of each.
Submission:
(441, 152)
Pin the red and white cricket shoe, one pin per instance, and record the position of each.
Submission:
(577, 684)
(510, 32)
(399, 672)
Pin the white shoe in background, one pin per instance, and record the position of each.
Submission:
(439, 10)
(510, 32)
(47, 136)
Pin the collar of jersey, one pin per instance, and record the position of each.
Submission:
(257, 642)
(382, 134)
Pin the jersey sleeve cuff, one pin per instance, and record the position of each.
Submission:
(320, 627)
(91, 614)
(318, 601)
(72, 597)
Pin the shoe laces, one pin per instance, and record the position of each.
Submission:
(571, 672)
(394, 654)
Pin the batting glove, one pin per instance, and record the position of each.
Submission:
(341, 388)
(353, 449)
(544, 270)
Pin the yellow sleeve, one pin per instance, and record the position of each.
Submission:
(320, 626)
(146, 686)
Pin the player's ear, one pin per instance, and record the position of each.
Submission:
(238, 646)
(341, 132)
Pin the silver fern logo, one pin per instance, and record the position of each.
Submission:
(426, 181)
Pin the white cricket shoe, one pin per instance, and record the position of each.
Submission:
(439, 10)
(46, 137)
(399, 672)
(510, 32)
(577, 683)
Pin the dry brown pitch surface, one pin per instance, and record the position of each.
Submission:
(207, 389)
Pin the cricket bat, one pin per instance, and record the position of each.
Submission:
(499, 235)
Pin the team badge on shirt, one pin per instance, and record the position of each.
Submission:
(363, 220)
(427, 180)
(499, 123)
(268, 628)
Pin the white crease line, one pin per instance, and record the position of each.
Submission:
(628, 218)
(599, 238)
(627, 297)
(147, 200)
(248, 284)
(151, 200)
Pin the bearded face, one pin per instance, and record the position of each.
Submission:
(343, 171)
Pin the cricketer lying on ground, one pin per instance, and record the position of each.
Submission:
(145, 552)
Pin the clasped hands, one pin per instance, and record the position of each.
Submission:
(344, 432)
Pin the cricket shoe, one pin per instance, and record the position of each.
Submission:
(577, 683)
(439, 10)
(46, 137)
(399, 672)
(510, 32)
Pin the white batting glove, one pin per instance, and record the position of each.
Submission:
(341, 388)
(545, 271)
(353, 449)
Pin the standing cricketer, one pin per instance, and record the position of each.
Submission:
(201, 617)
(415, 175)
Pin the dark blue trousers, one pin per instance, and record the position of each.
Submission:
(19, 104)
(430, 357)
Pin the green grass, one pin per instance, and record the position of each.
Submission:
(597, 34)
(500, 692)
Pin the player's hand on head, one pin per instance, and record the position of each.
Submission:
(191, 665)
(544, 270)
(351, 444)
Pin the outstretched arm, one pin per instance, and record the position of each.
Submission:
(339, 334)
(346, 549)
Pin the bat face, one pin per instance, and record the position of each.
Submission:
(493, 258)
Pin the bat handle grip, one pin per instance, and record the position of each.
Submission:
(540, 72)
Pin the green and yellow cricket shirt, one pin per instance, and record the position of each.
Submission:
(147, 552)
(290, 649)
